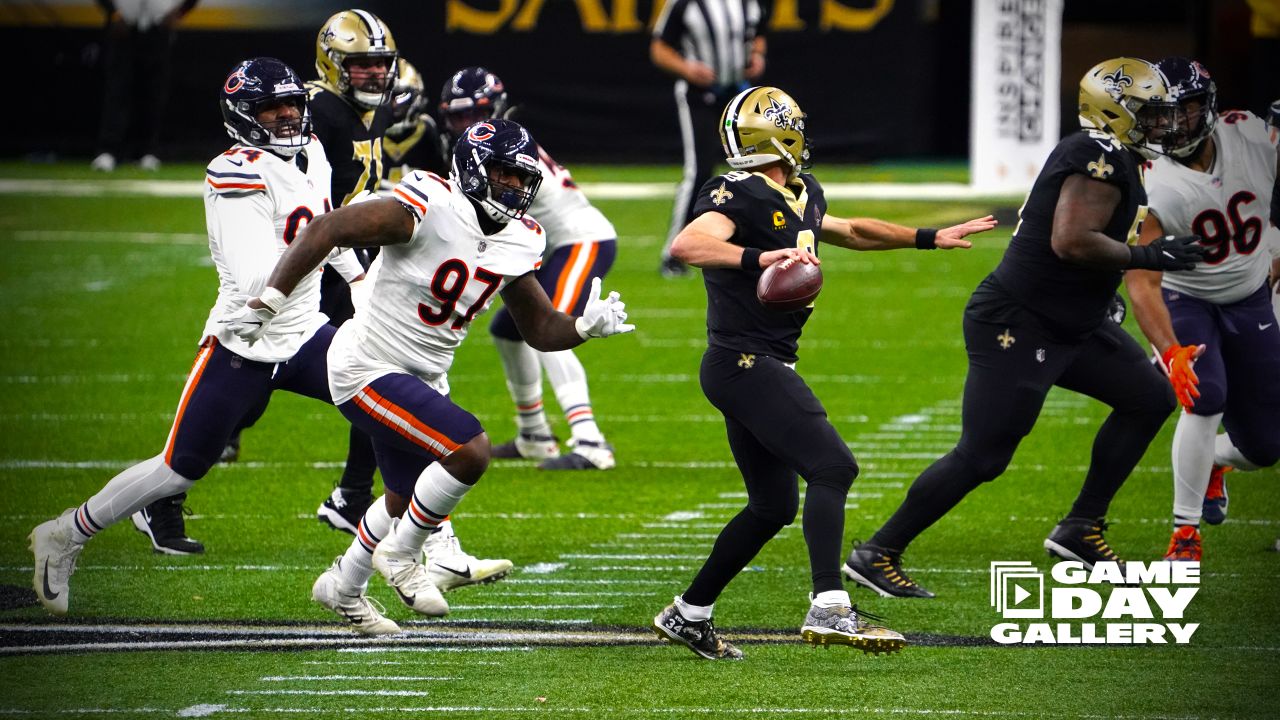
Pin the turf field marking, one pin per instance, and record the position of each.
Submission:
(111, 236)
(206, 710)
(327, 693)
(326, 678)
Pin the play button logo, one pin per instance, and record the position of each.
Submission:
(1017, 589)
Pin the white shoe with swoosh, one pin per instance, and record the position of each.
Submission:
(450, 567)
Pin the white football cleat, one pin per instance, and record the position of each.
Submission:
(104, 162)
(55, 557)
(449, 567)
(409, 578)
(359, 612)
(149, 162)
(586, 455)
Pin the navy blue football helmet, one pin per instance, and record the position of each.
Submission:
(260, 84)
(471, 95)
(495, 162)
(1190, 113)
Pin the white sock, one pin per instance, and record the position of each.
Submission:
(831, 598)
(357, 563)
(524, 382)
(434, 497)
(1226, 453)
(569, 381)
(1192, 463)
(694, 612)
(125, 494)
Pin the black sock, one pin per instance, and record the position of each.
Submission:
(357, 476)
(737, 544)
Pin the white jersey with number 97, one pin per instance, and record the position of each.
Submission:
(1226, 206)
(427, 292)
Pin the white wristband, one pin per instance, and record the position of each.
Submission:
(273, 299)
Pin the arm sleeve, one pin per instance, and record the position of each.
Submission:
(245, 235)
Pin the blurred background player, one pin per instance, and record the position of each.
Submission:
(412, 141)
(136, 55)
(581, 245)
(258, 195)
(1040, 320)
(766, 211)
(712, 48)
(1213, 177)
(467, 240)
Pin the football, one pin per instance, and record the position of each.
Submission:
(788, 285)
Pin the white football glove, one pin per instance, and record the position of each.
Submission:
(602, 318)
(250, 324)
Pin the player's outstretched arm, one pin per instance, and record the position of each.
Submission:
(872, 234)
(548, 330)
(705, 243)
(1084, 209)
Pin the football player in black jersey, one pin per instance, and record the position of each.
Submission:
(356, 61)
(765, 211)
(1039, 320)
(413, 140)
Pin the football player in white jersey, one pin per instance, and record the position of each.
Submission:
(581, 245)
(1214, 327)
(448, 247)
(258, 195)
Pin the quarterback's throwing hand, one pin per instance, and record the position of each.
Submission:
(954, 236)
(602, 318)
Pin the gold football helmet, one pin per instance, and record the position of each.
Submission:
(763, 125)
(1113, 97)
(355, 34)
(408, 98)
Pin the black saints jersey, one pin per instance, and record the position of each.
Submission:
(418, 147)
(1069, 300)
(352, 139)
(770, 217)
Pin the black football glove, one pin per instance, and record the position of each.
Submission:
(1167, 253)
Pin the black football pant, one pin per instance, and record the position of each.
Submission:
(698, 111)
(1010, 372)
(777, 429)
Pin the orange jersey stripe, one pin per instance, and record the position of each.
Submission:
(577, 287)
(407, 418)
(405, 196)
(564, 275)
(193, 381)
(237, 185)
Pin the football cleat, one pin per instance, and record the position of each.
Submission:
(586, 455)
(104, 162)
(149, 162)
(449, 566)
(409, 578)
(1081, 539)
(1184, 545)
(231, 452)
(343, 513)
(164, 525)
(880, 570)
(55, 554)
(361, 613)
(673, 268)
(531, 447)
(700, 636)
(1214, 509)
(845, 625)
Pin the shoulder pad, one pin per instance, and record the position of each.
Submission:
(236, 172)
(1095, 155)
(416, 189)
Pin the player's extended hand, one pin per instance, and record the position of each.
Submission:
(602, 318)
(1167, 253)
(954, 236)
(1178, 361)
(249, 323)
(797, 254)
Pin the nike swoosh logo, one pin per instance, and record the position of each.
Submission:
(408, 599)
(49, 594)
(1264, 327)
(237, 163)
(462, 574)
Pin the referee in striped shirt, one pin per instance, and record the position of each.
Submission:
(713, 49)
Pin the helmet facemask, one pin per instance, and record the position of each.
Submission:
(259, 86)
(502, 188)
(762, 126)
(373, 91)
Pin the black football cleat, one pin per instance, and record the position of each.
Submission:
(527, 447)
(673, 268)
(1081, 539)
(700, 636)
(231, 452)
(880, 570)
(163, 523)
(341, 512)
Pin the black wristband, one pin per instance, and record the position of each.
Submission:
(926, 239)
(751, 259)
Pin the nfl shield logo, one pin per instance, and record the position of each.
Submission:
(482, 245)
(1039, 354)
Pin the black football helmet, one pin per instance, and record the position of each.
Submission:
(251, 87)
(496, 148)
(1190, 112)
(471, 95)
